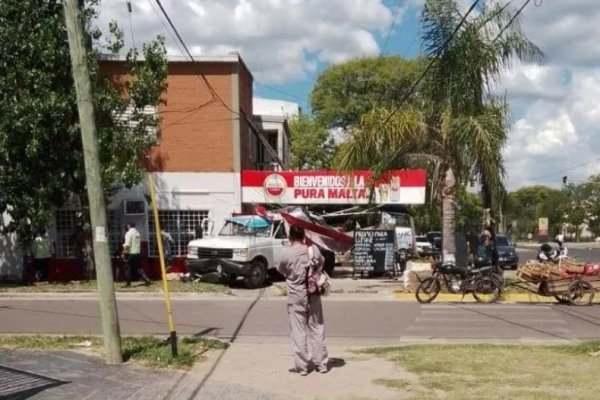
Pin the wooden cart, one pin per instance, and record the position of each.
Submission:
(572, 287)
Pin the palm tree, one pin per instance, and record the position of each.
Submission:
(452, 153)
(461, 129)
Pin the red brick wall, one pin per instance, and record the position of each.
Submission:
(196, 128)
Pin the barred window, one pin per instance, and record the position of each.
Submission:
(115, 232)
(66, 220)
(66, 233)
(180, 224)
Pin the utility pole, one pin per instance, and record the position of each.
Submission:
(106, 288)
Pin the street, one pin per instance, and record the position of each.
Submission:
(347, 322)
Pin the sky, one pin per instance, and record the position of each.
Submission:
(555, 106)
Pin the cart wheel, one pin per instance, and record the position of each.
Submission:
(486, 290)
(428, 290)
(580, 293)
(562, 299)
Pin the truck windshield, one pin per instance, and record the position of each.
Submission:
(233, 228)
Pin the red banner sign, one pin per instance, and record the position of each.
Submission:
(331, 187)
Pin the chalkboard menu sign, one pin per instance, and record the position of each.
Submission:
(374, 250)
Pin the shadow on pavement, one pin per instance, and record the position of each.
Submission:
(336, 363)
(232, 340)
(20, 385)
(568, 310)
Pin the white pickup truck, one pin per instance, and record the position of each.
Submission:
(246, 246)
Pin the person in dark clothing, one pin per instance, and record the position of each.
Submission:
(485, 250)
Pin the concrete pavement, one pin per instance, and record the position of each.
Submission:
(241, 372)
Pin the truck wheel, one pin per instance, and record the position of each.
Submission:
(256, 276)
(329, 264)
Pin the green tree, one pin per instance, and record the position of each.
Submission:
(461, 130)
(312, 146)
(41, 160)
(344, 92)
(590, 193)
(526, 205)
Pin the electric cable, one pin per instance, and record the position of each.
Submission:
(214, 93)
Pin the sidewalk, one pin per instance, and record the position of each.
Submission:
(242, 372)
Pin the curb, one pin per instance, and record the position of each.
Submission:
(507, 298)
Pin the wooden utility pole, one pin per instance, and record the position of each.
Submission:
(83, 89)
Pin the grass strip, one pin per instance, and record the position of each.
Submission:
(481, 371)
(146, 350)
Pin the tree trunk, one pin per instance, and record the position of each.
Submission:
(449, 217)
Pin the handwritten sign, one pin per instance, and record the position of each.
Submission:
(374, 250)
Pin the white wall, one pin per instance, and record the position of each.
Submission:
(218, 193)
(11, 257)
(281, 108)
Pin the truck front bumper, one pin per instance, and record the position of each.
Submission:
(202, 266)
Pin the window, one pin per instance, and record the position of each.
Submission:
(126, 118)
(116, 233)
(182, 227)
(66, 220)
(280, 232)
(66, 233)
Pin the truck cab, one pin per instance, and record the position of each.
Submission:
(246, 246)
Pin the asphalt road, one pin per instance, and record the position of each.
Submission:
(585, 254)
(347, 322)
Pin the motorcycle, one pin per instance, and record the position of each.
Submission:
(548, 253)
(448, 276)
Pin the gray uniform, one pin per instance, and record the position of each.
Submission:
(305, 311)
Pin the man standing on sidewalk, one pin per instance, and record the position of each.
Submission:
(42, 251)
(133, 255)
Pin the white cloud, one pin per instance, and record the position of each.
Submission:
(556, 106)
(281, 40)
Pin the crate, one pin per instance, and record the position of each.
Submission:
(526, 276)
(557, 286)
(573, 268)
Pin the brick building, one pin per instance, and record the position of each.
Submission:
(207, 135)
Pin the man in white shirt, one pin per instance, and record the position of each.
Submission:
(42, 252)
(132, 253)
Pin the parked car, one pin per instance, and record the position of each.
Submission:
(424, 247)
(507, 252)
(435, 238)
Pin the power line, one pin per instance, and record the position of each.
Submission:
(166, 27)
(436, 56)
(566, 170)
(391, 28)
(283, 92)
(445, 45)
(514, 17)
(216, 95)
(130, 23)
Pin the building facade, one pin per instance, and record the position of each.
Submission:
(207, 135)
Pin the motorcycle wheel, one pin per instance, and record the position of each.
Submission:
(428, 290)
(486, 290)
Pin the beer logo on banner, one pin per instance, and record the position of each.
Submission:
(275, 185)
